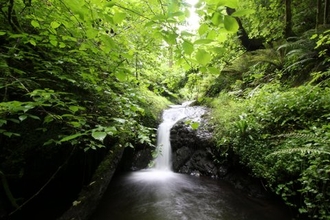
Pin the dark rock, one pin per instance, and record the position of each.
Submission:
(191, 148)
(141, 159)
(181, 157)
(135, 158)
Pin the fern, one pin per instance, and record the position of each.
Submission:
(302, 150)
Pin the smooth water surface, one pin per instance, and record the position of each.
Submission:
(163, 195)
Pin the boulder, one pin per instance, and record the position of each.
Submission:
(192, 148)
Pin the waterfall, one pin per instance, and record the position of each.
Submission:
(170, 117)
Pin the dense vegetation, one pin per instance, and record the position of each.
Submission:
(271, 109)
(80, 78)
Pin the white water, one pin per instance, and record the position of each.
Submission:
(170, 117)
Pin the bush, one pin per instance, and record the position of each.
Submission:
(282, 137)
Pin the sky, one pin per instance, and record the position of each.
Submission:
(193, 20)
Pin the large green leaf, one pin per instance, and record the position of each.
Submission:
(121, 76)
(203, 57)
(71, 137)
(91, 33)
(54, 24)
(188, 47)
(119, 17)
(170, 38)
(230, 24)
(203, 29)
(216, 18)
(35, 24)
(99, 135)
(228, 3)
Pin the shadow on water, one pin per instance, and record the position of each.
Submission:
(164, 195)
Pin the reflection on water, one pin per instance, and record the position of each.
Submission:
(164, 195)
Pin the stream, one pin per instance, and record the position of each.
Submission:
(160, 194)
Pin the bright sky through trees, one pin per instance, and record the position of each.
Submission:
(193, 20)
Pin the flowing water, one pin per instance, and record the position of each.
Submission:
(170, 117)
(160, 194)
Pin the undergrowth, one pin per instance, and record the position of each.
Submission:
(282, 136)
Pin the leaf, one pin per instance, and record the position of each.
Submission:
(243, 12)
(121, 76)
(111, 130)
(216, 18)
(203, 57)
(75, 124)
(2, 33)
(194, 125)
(33, 42)
(228, 3)
(55, 24)
(188, 47)
(120, 120)
(213, 70)
(119, 17)
(35, 24)
(9, 134)
(53, 42)
(99, 135)
(14, 120)
(62, 45)
(203, 29)
(50, 141)
(33, 116)
(69, 38)
(212, 35)
(110, 4)
(177, 14)
(3, 122)
(74, 108)
(71, 137)
(203, 41)
(170, 38)
(48, 118)
(231, 24)
(218, 50)
(22, 117)
(159, 18)
(91, 33)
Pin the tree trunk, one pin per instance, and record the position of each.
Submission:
(288, 19)
(318, 13)
(326, 12)
(250, 44)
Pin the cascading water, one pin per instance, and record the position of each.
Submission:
(170, 117)
(160, 194)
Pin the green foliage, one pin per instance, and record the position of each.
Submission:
(69, 68)
(73, 76)
(282, 136)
